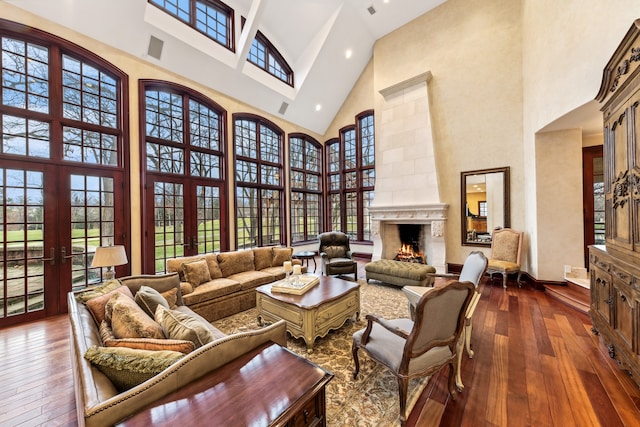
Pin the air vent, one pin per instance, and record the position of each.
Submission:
(371, 10)
(155, 47)
(283, 108)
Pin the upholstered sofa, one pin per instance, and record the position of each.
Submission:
(101, 399)
(219, 285)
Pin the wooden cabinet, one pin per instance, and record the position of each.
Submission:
(615, 268)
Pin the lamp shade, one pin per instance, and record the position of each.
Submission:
(108, 256)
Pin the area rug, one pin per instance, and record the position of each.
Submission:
(372, 399)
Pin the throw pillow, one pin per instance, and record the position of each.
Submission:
(97, 305)
(196, 272)
(262, 258)
(101, 289)
(128, 367)
(171, 296)
(214, 268)
(128, 320)
(235, 262)
(109, 340)
(148, 299)
(181, 326)
(280, 255)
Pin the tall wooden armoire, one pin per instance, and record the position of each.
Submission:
(615, 267)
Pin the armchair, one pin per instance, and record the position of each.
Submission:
(506, 251)
(472, 271)
(422, 347)
(336, 254)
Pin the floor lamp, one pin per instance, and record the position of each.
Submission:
(109, 256)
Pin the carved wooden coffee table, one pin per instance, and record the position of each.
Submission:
(326, 306)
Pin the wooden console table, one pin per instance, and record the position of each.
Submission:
(269, 386)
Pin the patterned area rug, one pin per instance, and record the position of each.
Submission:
(372, 399)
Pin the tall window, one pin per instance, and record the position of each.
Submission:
(259, 189)
(264, 55)
(306, 187)
(62, 170)
(184, 203)
(210, 17)
(351, 177)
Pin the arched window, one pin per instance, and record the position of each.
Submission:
(258, 177)
(350, 165)
(184, 205)
(212, 18)
(63, 169)
(305, 164)
(264, 55)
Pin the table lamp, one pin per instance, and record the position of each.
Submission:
(109, 256)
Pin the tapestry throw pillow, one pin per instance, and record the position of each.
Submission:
(181, 326)
(171, 296)
(101, 289)
(148, 299)
(109, 340)
(235, 262)
(214, 268)
(128, 367)
(280, 255)
(128, 320)
(196, 272)
(97, 305)
(262, 258)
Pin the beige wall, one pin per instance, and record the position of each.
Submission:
(566, 44)
(473, 51)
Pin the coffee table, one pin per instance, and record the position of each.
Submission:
(326, 306)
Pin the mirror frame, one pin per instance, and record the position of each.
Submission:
(463, 202)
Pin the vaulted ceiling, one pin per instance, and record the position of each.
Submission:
(312, 35)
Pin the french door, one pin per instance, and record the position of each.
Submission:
(53, 218)
(186, 219)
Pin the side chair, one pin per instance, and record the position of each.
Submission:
(335, 253)
(473, 270)
(420, 347)
(506, 253)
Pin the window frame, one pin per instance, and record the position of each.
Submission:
(192, 23)
(260, 186)
(304, 192)
(351, 189)
(190, 182)
(272, 52)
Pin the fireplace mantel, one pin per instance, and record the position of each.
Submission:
(410, 214)
(432, 215)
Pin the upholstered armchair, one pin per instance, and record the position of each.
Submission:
(420, 347)
(506, 251)
(336, 254)
(472, 271)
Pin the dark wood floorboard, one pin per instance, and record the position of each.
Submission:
(536, 363)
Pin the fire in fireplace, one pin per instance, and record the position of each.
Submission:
(410, 237)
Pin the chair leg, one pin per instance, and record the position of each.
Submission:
(504, 280)
(403, 385)
(519, 275)
(356, 361)
(459, 349)
(467, 338)
(452, 380)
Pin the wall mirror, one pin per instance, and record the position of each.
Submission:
(485, 204)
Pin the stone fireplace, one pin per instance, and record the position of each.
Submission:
(406, 177)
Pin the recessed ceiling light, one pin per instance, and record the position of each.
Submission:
(318, 107)
(348, 53)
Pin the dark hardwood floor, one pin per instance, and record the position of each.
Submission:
(536, 363)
